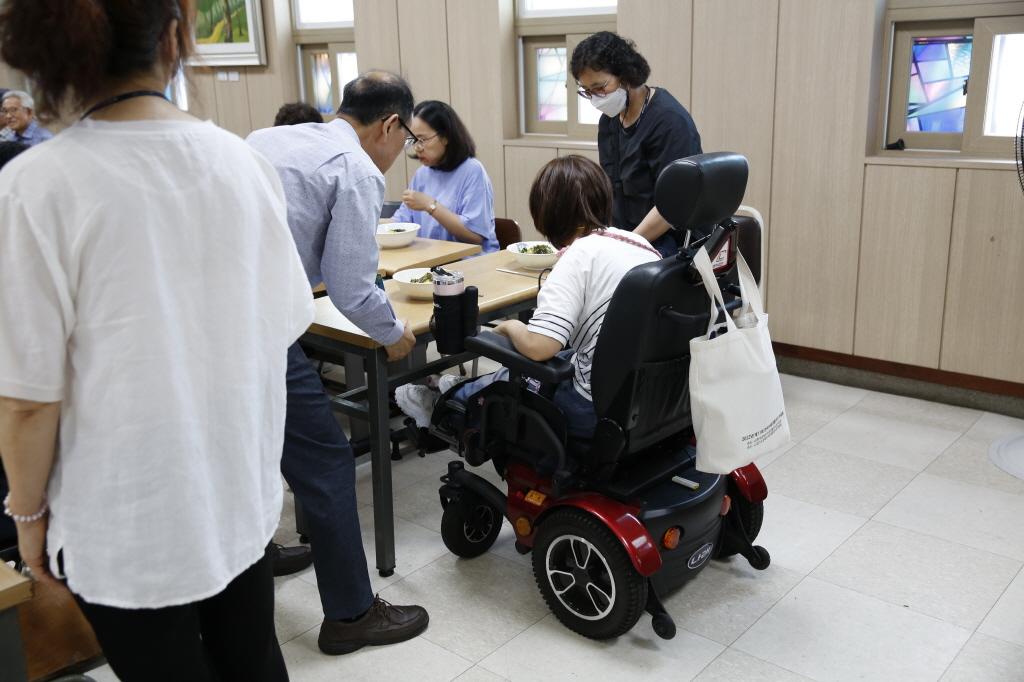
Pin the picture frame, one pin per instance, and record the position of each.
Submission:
(247, 45)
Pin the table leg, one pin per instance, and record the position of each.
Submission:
(12, 654)
(380, 461)
(354, 378)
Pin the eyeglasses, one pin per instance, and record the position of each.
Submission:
(599, 91)
(411, 139)
(11, 110)
(422, 141)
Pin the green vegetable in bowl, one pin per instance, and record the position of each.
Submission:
(428, 278)
(397, 229)
(538, 249)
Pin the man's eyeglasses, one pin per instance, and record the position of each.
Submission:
(11, 110)
(599, 91)
(411, 139)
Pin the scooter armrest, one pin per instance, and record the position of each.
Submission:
(500, 349)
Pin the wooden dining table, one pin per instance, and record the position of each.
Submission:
(332, 335)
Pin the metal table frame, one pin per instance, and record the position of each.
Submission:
(375, 411)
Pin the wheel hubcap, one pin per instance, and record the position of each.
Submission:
(478, 529)
(580, 577)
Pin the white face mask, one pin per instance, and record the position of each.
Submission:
(611, 104)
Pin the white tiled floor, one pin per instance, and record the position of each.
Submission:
(896, 546)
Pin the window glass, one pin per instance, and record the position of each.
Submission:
(347, 69)
(1005, 85)
(323, 94)
(324, 12)
(551, 88)
(939, 68)
(556, 7)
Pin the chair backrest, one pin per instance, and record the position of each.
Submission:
(507, 231)
(389, 208)
(640, 377)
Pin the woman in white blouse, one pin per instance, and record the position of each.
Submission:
(149, 290)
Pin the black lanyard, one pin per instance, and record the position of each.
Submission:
(121, 98)
(636, 124)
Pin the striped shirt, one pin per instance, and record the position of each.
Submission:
(573, 301)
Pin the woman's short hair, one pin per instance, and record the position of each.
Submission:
(447, 124)
(571, 195)
(607, 51)
(296, 113)
(71, 50)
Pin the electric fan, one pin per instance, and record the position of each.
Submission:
(1008, 453)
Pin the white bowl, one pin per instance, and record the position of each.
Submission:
(423, 291)
(533, 261)
(396, 235)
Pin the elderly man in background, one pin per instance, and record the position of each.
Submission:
(333, 177)
(18, 109)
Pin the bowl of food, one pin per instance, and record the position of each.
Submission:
(396, 235)
(416, 283)
(534, 255)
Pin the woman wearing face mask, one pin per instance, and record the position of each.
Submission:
(643, 130)
(450, 197)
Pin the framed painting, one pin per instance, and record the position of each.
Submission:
(230, 33)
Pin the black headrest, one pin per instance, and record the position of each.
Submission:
(701, 190)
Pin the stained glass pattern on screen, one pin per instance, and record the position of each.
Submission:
(323, 94)
(551, 89)
(936, 100)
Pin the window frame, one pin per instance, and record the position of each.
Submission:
(900, 83)
(894, 81)
(521, 11)
(975, 140)
(306, 53)
(558, 31)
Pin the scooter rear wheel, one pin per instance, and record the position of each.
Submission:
(586, 577)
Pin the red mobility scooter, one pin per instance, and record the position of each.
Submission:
(618, 520)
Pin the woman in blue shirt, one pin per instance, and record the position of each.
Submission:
(450, 197)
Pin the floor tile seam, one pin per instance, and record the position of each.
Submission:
(960, 544)
(758, 620)
(917, 421)
(472, 663)
(766, 661)
(1001, 595)
(971, 629)
(960, 480)
(863, 459)
(304, 632)
(998, 638)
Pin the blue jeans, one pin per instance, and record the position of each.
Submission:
(320, 468)
(666, 245)
(580, 417)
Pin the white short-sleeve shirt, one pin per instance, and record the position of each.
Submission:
(148, 280)
(574, 299)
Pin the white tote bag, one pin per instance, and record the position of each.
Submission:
(735, 394)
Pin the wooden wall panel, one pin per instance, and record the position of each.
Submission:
(818, 169)
(276, 83)
(481, 47)
(904, 250)
(233, 101)
(202, 96)
(983, 329)
(521, 166)
(734, 88)
(377, 47)
(662, 30)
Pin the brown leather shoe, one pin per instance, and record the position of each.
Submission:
(384, 623)
(288, 560)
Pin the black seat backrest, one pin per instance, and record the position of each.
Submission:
(641, 361)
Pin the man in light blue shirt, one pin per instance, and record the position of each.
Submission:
(334, 185)
(18, 110)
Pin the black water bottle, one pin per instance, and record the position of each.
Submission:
(470, 311)
(446, 323)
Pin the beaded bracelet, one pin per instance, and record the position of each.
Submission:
(25, 519)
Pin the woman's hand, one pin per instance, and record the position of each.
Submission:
(32, 548)
(417, 201)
